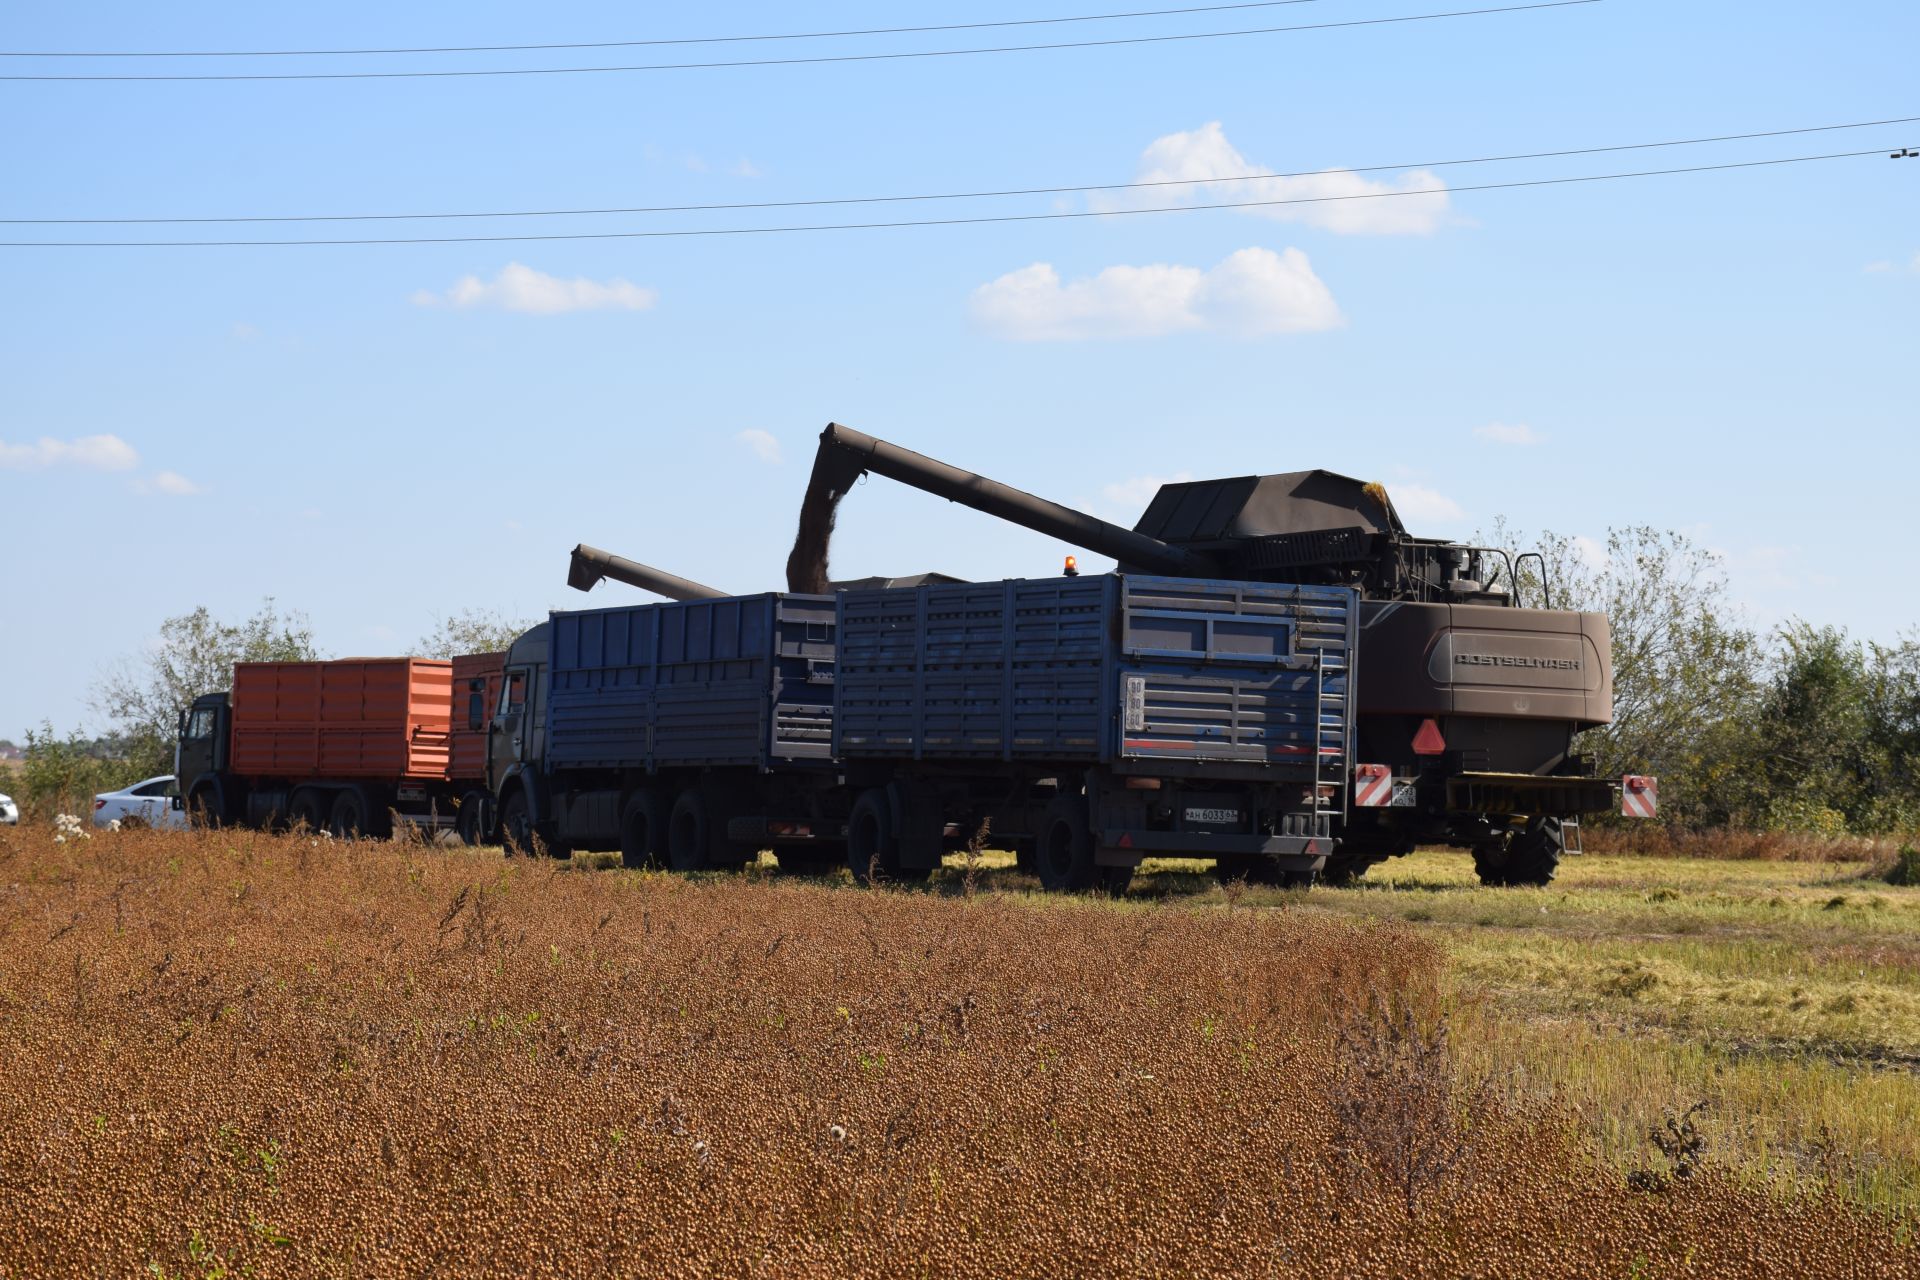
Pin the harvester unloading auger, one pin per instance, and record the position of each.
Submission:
(1468, 703)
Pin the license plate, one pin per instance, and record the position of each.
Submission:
(1213, 816)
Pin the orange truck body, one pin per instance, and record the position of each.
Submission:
(356, 718)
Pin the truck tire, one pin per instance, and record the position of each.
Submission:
(1063, 857)
(873, 847)
(687, 832)
(206, 807)
(355, 815)
(471, 823)
(309, 808)
(643, 830)
(516, 825)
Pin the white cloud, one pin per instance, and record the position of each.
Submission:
(744, 168)
(1252, 292)
(763, 444)
(244, 332)
(1419, 504)
(1135, 493)
(171, 483)
(521, 288)
(1415, 203)
(1885, 267)
(1592, 552)
(1517, 433)
(96, 453)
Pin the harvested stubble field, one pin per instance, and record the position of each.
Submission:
(230, 1054)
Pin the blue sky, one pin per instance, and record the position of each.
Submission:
(361, 435)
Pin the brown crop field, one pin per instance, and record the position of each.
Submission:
(229, 1054)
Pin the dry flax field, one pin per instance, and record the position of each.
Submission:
(235, 1054)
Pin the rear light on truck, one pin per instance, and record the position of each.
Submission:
(1639, 796)
(1372, 786)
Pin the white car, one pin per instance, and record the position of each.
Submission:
(9, 812)
(150, 801)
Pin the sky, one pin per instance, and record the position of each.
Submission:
(381, 435)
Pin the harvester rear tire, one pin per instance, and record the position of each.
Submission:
(1530, 856)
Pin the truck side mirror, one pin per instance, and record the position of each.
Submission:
(476, 711)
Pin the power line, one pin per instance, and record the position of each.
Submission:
(825, 58)
(928, 222)
(637, 44)
(953, 195)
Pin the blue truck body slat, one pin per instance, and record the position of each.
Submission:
(1099, 670)
(743, 680)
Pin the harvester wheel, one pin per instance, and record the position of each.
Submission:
(643, 830)
(1530, 856)
(1063, 857)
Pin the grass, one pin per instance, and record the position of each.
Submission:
(1784, 994)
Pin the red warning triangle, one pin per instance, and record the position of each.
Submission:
(1429, 741)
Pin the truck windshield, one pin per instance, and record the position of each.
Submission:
(200, 724)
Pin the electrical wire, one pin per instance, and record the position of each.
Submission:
(638, 44)
(824, 58)
(957, 195)
(673, 233)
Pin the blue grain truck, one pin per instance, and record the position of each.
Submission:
(1085, 722)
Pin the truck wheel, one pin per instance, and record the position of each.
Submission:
(204, 808)
(309, 809)
(470, 824)
(643, 830)
(1063, 858)
(873, 850)
(349, 818)
(687, 832)
(516, 825)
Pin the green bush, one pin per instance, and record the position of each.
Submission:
(62, 775)
(1906, 867)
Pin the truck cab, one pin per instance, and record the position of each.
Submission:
(516, 738)
(200, 756)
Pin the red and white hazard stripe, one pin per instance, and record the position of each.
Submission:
(1372, 786)
(1639, 796)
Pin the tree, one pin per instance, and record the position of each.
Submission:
(143, 696)
(470, 631)
(1686, 667)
